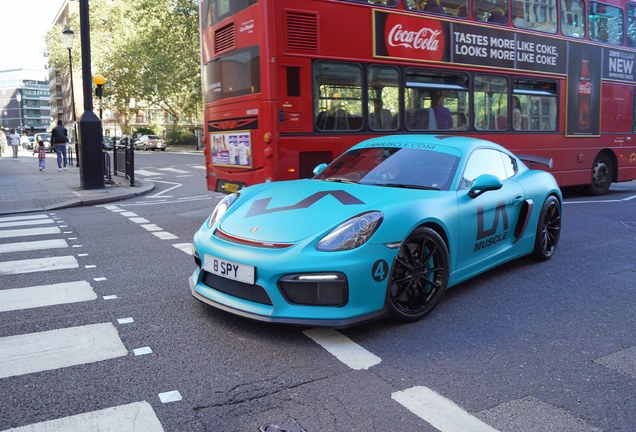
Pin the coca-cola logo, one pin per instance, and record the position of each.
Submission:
(423, 39)
(585, 87)
(413, 37)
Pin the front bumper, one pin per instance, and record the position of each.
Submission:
(365, 296)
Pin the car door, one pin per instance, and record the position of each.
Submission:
(487, 221)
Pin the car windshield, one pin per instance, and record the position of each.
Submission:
(393, 167)
(155, 137)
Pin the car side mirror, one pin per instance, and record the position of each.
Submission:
(319, 168)
(484, 183)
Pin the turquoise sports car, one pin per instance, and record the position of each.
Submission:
(383, 230)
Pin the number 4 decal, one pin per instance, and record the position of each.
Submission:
(380, 270)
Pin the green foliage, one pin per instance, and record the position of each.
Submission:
(144, 131)
(182, 137)
(148, 50)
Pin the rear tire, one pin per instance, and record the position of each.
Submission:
(602, 175)
(419, 276)
(548, 229)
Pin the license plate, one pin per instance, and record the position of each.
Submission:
(230, 187)
(229, 269)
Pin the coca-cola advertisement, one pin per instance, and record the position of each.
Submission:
(584, 90)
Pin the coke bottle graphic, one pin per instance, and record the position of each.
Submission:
(585, 94)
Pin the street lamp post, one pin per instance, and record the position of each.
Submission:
(18, 97)
(90, 126)
(69, 36)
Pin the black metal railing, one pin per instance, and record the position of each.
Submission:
(124, 159)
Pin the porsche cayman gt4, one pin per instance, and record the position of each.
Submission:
(383, 230)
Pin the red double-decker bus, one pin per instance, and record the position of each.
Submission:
(289, 84)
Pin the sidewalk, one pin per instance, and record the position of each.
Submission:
(23, 188)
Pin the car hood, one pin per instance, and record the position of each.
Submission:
(287, 212)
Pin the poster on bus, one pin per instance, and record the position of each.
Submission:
(584, 90)
(231, 149)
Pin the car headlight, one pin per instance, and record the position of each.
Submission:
(351, 234)
(221, 208)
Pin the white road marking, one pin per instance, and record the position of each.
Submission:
(128, 214)
(441, 413)
(139, 220)
(26, 223)
(24, 217)
(171, 396)
(110, 297)
(111, 207)
(38, 265)
(142, 351)
(90, 266)
(176, 185)
(174, 170)
(152, 227)
(197, 167)
(343, 348)
(629, 198)
(132, 417)
(28, 232)
(45, 295)
(185, 247)
(146, 173)
(128, 320)
(54, 349)
(165, 235)
(99, 279)
(33, 245)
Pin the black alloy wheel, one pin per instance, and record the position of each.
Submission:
(602, 175)
(548, 229)
(419, 276)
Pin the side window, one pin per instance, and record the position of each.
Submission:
(337, 96)
(444, 7)
(510, 165)
(573, 18)
(485, 161)
(534, 105)
(491, 102)
(538, 15)
(435, 101)
(492, 11)
(631, 25)
(383, 98)
(606, 23)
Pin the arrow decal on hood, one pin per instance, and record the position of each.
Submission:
(259, 207)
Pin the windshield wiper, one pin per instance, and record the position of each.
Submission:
(406, 186)
(340, 180)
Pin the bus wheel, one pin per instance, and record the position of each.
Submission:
(602, 175)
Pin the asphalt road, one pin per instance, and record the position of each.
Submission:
(525, 347)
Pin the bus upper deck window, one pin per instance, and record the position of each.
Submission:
(606, 23)
(573, 18)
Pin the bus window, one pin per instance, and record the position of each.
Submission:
(606, 23)
(337, 96)
(535, 14)
(631, 25)
(572, 18)
(233, 74)
(391, 3)
(434, 100)
(383, 98)
(458, 8)
(534, 105)
(216, 10)
(491, 102)
(492, 11)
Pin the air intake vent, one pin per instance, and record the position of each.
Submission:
(224, 38)
(302, 31)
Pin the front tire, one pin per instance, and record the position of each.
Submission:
(419, 276)
(602, 175)
(548, 229)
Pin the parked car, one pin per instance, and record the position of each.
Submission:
(108, 143)
(381, 231)
(42, 136)
(150, 142)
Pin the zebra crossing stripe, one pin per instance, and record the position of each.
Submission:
(26, 223)
(33, 245)
(38, 265)
(24, 217)
(136, 416)
(174, 170)
(27, 232)
(343, 348)
(45, 295)
(54, 349)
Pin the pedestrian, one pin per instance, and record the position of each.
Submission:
(41, 155)
(24, 141)
(59, 138)
(14, 142)
(3, 142)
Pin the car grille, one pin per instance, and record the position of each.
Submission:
(315, 293)
(255, 293)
